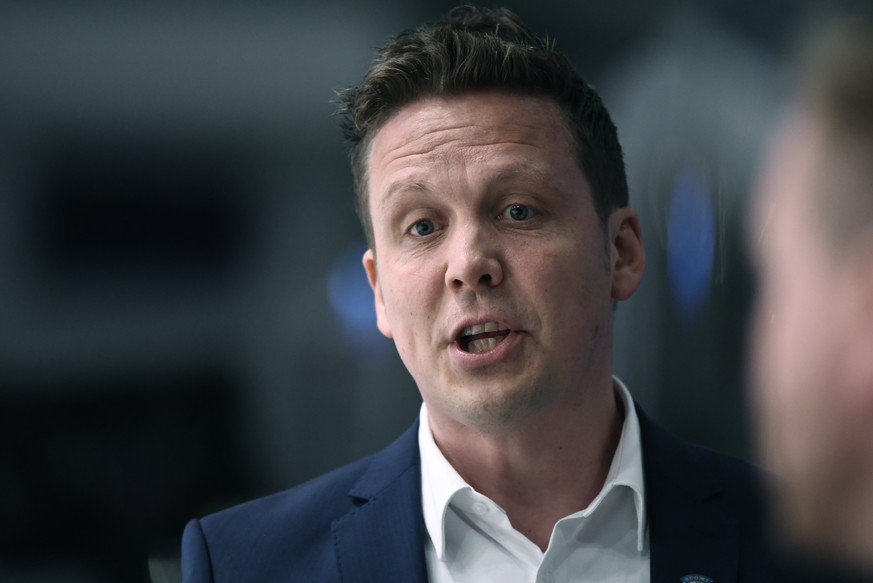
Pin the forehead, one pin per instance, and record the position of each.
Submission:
(474, 128)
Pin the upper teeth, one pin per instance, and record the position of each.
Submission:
(481, 328)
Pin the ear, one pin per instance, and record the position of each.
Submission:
(369, 261)
(627, 254)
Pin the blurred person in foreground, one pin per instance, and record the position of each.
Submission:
(811, 232)
(492, 191)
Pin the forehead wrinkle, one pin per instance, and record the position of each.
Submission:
(526, 173)
(435, 122)
(400, 187)
(426, 139)
(465, 146)
(530, 176)
(420, 139)
(442, 158)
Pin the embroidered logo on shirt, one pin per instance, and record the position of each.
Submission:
(696, 579)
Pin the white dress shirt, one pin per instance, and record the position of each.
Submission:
(471, 540)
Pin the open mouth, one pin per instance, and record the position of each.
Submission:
(482, 337)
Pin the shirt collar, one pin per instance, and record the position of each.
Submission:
(440, 482)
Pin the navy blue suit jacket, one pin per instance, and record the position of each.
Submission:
(364, 523)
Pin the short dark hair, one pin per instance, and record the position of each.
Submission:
(471, 49)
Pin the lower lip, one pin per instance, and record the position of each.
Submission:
(503, 352)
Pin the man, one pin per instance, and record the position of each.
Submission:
(492, 191)
(812, 235)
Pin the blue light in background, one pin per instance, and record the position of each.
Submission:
(351, 300)
(691, 236)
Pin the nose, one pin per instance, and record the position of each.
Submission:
(473, 261)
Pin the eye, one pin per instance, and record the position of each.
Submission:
(422, 228)
(518, 212)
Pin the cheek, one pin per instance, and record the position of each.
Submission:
(792, 364)
(566, 266)
(575, 293)
(409, 308)
(794, 320)
(786, 353)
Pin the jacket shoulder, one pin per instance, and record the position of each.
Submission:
(709, 510)
(289, 533)
(317, 501)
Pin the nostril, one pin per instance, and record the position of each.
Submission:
(486, 278)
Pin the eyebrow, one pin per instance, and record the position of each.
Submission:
(526, 172)
(401, 187)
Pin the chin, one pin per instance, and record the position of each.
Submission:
(500, 413)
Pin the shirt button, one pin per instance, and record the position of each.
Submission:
(480, 508)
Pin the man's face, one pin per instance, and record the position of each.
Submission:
(491, 271)
(803, 340)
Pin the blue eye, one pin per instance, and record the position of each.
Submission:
(423, 228)
(518, 212)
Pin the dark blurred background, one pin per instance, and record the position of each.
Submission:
(184, 322)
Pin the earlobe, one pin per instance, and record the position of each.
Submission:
(627, 252)
(369, 261)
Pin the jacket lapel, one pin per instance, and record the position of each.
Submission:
(382, 539)
(690, 529)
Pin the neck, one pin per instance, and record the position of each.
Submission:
(544, 469)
